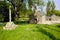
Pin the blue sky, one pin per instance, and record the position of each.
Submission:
(57, 3)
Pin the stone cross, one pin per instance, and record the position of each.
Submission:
(10, 25)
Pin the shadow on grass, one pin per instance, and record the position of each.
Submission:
(2, 24)
(58, 25)
(47, 33)
(53, 29)
(21, 22)
(47, 26)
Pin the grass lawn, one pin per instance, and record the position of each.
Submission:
(31, 32)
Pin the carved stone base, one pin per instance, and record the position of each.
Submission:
(10, 26)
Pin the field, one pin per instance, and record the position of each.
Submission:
(26, 31)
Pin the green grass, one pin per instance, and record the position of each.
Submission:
(32, 32)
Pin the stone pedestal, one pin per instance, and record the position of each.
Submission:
(41, 20)
(10, 26)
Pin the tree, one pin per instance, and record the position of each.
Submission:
(30, 4)
(4, 10)
(42, 4)
(16, 6)
(50, 7)
(33, 17)
(53, 6)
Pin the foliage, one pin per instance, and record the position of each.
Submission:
(33, 2)
(25, 14)
(30, 2)
(50, 7)
(1, 17)
(4, 10)
(17, 6)
(57, 12)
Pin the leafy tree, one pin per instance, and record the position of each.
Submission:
(42, 4)
(4, 10)
(16, 6)
(30, 2)
(50, 7)
(53, 6)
